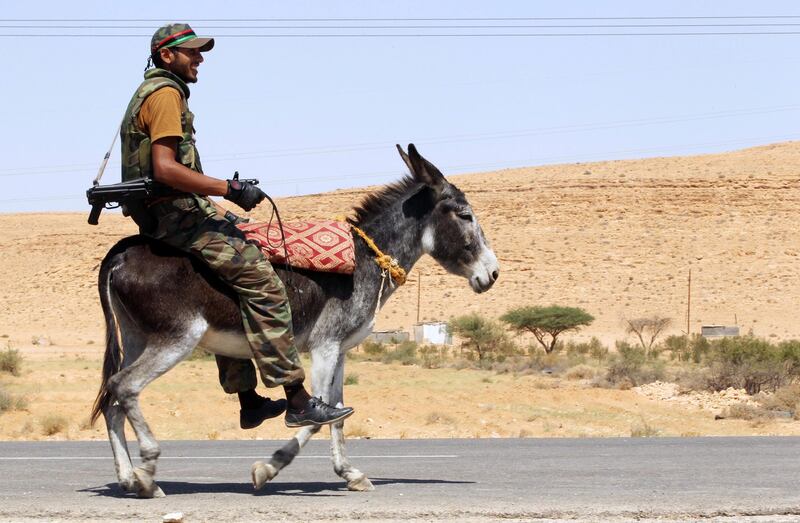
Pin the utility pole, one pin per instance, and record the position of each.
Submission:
(689, 303)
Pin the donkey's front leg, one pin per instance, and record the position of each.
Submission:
(262, 472)
(323, 366)
(356, 480)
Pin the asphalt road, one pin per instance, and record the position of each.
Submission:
(721, 479)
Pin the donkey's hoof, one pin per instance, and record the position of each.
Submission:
(145, 486)
(262, 472)
(128, 484)
(360, 484)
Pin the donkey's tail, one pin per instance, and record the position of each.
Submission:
(112, 358)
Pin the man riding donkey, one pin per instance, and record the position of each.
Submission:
(158, 142)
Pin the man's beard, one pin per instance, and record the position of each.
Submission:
(185, 75)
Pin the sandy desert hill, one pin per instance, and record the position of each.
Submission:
(616, 238)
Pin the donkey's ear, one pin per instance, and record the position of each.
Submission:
(424, 171)
(406, 159)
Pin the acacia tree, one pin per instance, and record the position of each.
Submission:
(647, 329)
(547, 322)
(480, 334)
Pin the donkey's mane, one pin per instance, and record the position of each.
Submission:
(377, 201)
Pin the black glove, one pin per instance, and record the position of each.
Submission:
(235, 219)
(244, 194)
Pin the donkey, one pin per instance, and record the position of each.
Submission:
(159, 304)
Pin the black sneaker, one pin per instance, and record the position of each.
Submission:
(316, 412)
(252, 418)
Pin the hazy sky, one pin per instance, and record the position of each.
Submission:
(311, 114)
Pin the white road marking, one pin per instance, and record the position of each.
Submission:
(74, 458)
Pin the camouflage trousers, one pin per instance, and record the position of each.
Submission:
(191, 224)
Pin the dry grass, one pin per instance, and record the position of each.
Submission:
(391, 401)
(54, 424)
(356, 431)
(10, 401)
(580, 372)
(786, 399)
(11, 361)
(6, 401)
(440, 418)
(644, 430)
(747, 412)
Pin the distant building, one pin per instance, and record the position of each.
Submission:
(395, 336)
(718, 331)
(433, 333)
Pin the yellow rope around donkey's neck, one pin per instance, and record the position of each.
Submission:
(384, 261)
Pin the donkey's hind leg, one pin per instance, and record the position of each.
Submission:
(157, 358)
(133, 342)
(356, 480)
(115, 424)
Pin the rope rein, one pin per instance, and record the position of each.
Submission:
(384, 261)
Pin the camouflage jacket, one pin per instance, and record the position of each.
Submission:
(136, 146)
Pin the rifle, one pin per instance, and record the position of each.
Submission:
(105, 196)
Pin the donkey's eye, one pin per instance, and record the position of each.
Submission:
(465, 216)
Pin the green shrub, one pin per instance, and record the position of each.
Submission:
(11, 361)
(687, 348)
(630, 366)
(677, 346)
(598, 351)
(405, 354)
(485, 338)
(432, 356)
(351, 379)
(752, 364)
(373, 349)
(585, 348)
(699, 347)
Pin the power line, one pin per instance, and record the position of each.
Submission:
(429, 19)
(495, 26)
(421, 35)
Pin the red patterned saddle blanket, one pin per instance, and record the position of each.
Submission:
(324, 246)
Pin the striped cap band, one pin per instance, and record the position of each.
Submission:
(175, 39)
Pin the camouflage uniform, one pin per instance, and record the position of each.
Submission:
(190, 223)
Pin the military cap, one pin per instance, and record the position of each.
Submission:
(179, 35)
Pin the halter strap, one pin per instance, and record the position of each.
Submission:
(384, 261)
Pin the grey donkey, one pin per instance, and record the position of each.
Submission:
(159, 304)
